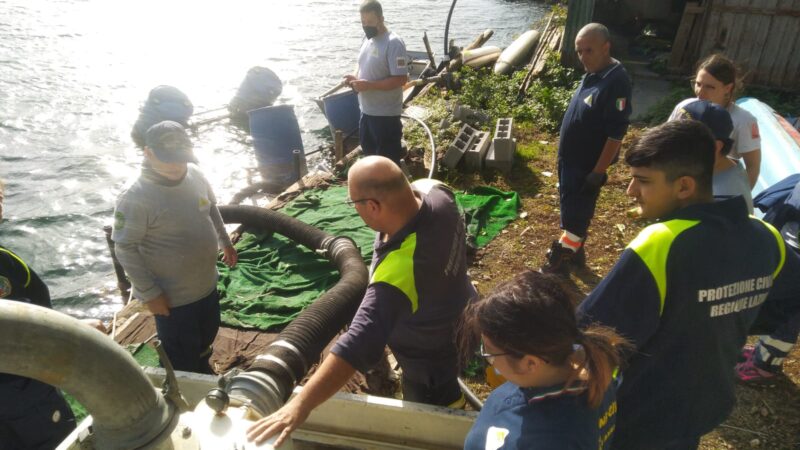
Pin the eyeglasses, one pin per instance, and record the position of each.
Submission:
(351, 202)
(490, 356)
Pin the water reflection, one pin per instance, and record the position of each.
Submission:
(73, 73)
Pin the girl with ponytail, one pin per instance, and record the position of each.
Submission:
(560, 379)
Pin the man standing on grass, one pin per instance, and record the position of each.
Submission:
(591, 134)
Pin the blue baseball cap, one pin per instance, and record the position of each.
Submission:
(169, 142)
(715, 117)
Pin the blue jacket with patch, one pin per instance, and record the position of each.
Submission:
(685, 292)
(599, 109)
(547, 418)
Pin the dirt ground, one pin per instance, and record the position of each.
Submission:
(766, 416)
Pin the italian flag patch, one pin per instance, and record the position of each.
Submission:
(621, 102)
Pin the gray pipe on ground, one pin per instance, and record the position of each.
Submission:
(59, 350)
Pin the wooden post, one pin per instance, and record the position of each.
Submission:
(691, 16)
(428, 48)
(338, 145)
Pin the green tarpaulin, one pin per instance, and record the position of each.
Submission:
(275, 278)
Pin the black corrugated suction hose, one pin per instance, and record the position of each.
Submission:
(271, 378)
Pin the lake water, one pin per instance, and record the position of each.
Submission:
(74, 73)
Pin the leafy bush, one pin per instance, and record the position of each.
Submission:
(544, 103)
(782, 102)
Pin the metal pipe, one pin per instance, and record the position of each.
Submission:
(123, 284)
(59, 350)
(447, 29)
(470, 396)
(297, 156)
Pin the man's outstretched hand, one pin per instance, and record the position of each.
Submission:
(283, 421)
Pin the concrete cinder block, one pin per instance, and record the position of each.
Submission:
(503, 141)
(477, 151)
(459, 147)
(500, 163)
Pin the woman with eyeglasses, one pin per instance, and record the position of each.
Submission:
(560, 389)
(717, 80)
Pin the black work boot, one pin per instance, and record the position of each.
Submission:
(579, 260)
(559, 259)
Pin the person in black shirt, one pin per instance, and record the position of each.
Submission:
(33, 415)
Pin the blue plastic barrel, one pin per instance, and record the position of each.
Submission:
(342, 111)
(276, 134)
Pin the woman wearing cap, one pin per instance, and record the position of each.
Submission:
(717, 80)
(560, 391)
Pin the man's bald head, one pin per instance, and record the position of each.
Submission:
(593, 47)
(377, 177)
(595, 30)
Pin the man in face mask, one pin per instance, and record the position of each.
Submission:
(382, 71)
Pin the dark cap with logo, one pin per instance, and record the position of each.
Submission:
(169, 142)
(715, 117)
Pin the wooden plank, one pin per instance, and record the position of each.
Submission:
(791, 78)
(723, 31)
(757, 11)
(697, 37)
(764, 40)
(771, 46)
(779, 49)
(709, 33)
(681, 41)
(741, 37)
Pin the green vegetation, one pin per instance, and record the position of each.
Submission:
(784, 103)
(661, 111)
(544, 103)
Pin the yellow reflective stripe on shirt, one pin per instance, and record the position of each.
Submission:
(653, 245)
(27, 270)
(781, 246)
(397, 269)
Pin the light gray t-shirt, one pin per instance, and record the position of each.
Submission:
(746, 137)
(167, 238)
(382, 57)
(732, 182)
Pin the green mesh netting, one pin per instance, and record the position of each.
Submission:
(275, 278)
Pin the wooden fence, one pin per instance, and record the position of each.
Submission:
(762, 36)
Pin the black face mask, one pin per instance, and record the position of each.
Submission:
(371, 32)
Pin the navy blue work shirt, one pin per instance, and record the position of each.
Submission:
(418, 290)
(545, 418)
(685, 293)
(599, 109)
